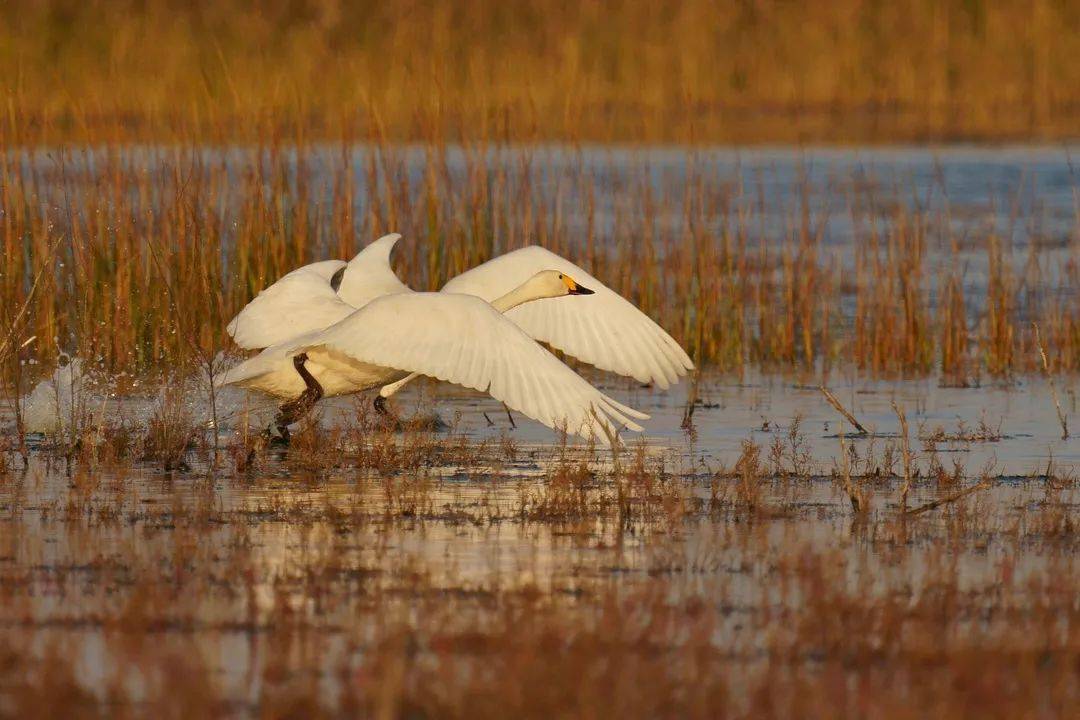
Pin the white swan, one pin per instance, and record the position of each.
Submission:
(457, 338)
(316, 296)
(604, 329)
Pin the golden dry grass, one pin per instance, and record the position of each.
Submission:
(137, 257)
(236, 95)
(688, 71)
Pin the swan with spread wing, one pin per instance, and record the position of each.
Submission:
(600, 328)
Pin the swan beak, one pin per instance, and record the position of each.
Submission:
(572, 288)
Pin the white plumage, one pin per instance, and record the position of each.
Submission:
(456, 338)
(602, 329)
(313, 310)
(305, 300)
(299, 302)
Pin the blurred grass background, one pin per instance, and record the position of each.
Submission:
(683, 71)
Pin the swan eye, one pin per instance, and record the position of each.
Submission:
(560, 276)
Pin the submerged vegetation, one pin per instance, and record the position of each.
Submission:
(423, 573)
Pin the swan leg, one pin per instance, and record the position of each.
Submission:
(293, 410)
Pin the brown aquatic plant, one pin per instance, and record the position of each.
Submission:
(905, 445)
(839, 407)
(1062, 418)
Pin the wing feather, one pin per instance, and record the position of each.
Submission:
(463, 340)
(369, 275)
(299, 302)
(603, 329)
(306, 299)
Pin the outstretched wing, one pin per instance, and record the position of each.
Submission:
(463, 340)
(301, 301)
(369, 275)
(602, 329)
(316, 296)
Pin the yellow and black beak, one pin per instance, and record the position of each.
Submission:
(574, 288)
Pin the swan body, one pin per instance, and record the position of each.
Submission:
(272, 370)
(316, 296)
(333, 322)
(604, 330)
(452, 337)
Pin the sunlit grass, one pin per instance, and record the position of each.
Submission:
(686, 71)
(149, 252)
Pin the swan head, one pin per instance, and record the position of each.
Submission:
(553, 283)
(544, 284)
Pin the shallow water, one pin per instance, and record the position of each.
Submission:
(212, 567)
(762, 407)
(286, 573)
(1011, 427)
(119, 569)
(1022, 194)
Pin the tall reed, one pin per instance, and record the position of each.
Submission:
(158, 247)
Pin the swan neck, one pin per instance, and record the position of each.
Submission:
(518, 296)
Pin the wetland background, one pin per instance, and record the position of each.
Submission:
(878, 198)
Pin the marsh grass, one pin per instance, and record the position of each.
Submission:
(149, 251)
(983, 431)
(96, 72)
(171, 429)
(388, 590)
